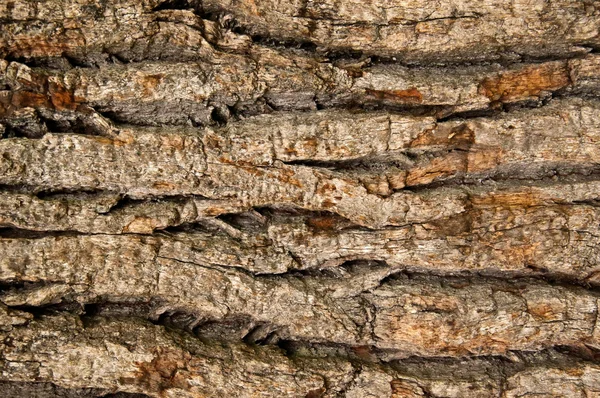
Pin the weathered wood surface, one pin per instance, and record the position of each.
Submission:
(299, 198)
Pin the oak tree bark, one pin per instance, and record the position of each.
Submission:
(299, 198)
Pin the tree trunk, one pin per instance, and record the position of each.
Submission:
(350, 198)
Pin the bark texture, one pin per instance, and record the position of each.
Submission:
(261, 198)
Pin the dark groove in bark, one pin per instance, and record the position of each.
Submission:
(546, 174)
(222, 115)
(50, 390)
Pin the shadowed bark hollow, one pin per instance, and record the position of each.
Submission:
(298, 198)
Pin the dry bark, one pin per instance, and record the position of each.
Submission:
(299, 198)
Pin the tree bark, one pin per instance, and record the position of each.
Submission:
(299, 198)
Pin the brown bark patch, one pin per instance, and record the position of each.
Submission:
(310, 145)
(452, 226)
(124, 138)
(331, 222)
(165, 371)
(316, 393)
(41, 46)
(436, 304)
(482, 159)
(62, 98)
(363, 351)
(141, 225)
(214, 211)
(525, 254)
(20, 99)
(213, 141)
(435, 27)
(446, 166)
(57, 97)
(173, 141)
(291, 150)
(287, 177)
(546, 311)
(326, 189)
(252, 170)
(405, 389)
(409, 95)
(150, 82)
(576, 372)
(461, 137)
(510, 199)
(327, 203)
(525, 83)
(377, 185)
(163, 185)
(397, 180)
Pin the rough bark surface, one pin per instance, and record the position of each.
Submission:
(299, 198)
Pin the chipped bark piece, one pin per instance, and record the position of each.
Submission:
(377, 185)
(396, 96)
(583, 73)
(442, 312)
(173, 93)
(47, 389)
(456, 89)
(437, 169)
(250, 253)
(294, 137)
